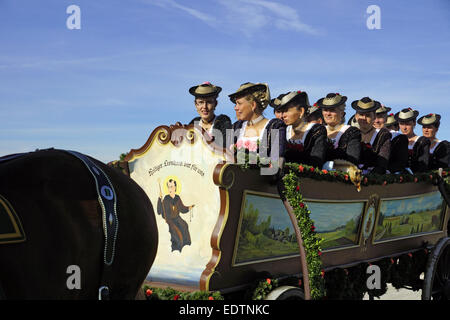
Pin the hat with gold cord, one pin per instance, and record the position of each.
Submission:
(204, 90)
(332, 100)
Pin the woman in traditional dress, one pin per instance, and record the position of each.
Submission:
(391, 123)
(398, 161)
(418, 147)
(381, 115)
(375, 142)
(439, 149)
(345, 140)
(314, 115)
(206, 95)
(306, 141)
(252, 130)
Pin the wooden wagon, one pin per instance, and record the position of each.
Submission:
(223, 227)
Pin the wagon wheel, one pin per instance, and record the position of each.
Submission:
(286, 293)
(437, 275)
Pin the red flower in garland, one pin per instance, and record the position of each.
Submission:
(148, 293)
(301, 168)
(297, 188)
(176, 297)
(346, 177)
(311, 169)
(325, 171)
(319, 253)
(313, 228)
(210, 298)
(322, 273)
(302, 205)
(268, 281)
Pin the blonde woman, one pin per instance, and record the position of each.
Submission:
(252, 130)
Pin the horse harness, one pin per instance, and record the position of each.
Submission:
(108, 202)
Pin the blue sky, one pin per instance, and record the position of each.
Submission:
(102, 89)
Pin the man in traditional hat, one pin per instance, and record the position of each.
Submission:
(205, 101)
(439, 149)
(376, 143)
(381, 117)
(345, 139)
(418, 147)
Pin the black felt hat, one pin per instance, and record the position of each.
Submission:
(383, 109)
(295, 98)
(205, 90)
(276, 102)
(332, 100)
(365, 105)
(431, 118)
(406, 114)
(391, 121)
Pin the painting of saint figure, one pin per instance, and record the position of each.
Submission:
(170, 207)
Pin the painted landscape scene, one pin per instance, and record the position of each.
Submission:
(337, 223)
(406, 217)
(266, 231)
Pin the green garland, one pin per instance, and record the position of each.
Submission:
(263, 288)
(306, 171)
(172, 294)
(311, 240)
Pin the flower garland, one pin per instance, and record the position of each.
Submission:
(306, 171)
(247, 155)
(172, 294)
(263, 288)
(311, 240)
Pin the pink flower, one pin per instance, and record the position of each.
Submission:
(239, 144)
(253, 146)
(246, 144)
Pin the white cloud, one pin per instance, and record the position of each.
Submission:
(246, 16)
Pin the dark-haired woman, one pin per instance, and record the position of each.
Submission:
(439, 149)
(418, 147)
(375, 142)
(344, 140)
(306, 142)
